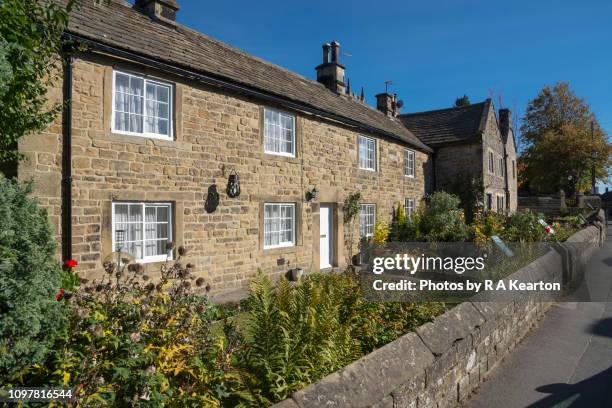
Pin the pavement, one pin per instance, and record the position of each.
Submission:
(567, 360)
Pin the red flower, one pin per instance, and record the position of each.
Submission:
(71, 263)
(547, 230)
(59, 294)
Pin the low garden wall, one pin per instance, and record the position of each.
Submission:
(440, 363)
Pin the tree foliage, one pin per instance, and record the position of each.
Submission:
(560, 148)
(30, 43)
(462, 101)
(30, 316)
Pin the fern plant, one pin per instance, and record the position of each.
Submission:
(294, 337)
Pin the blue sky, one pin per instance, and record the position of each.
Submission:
(433, 51)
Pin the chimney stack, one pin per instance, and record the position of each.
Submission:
(331, 73)
(505, 122)
(388, 104)
(163, 10)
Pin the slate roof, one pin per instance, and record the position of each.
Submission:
(448, 126)
(118, 25)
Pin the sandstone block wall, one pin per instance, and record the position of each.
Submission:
(215, 132)
(440, 363)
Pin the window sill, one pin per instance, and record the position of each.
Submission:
(280, 157)
(280, 250)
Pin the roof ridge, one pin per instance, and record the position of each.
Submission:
(444, 109)
(205, 54)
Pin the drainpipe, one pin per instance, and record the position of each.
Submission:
(66, 191)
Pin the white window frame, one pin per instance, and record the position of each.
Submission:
(409, 157)
(362, 226)
(146, 259)
(367, 140)
(491, 166)
(293, 226)
(294, 141)
(409, 206)
(146, 80)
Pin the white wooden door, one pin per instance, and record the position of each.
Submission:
(325, 230)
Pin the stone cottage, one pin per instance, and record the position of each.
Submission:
(471, 141)
(162, 122)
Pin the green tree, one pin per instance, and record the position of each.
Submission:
(562, 140)
(31, 318)
(462, 101)
(30, 62)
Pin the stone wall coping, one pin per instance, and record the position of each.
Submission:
(424, 358)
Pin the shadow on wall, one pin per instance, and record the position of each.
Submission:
(595, 391)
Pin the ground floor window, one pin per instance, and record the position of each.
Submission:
(279, 225)
(142, 229)
(489, 203)
(500, 204)
(367, 218)
(409, 206)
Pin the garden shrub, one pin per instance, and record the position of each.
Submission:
(30, 317)
(403, 228)
(486, 225)
(523, 226)
(136, 343)
(380, 233)
(442, 219)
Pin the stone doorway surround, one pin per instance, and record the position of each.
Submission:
(330, 196)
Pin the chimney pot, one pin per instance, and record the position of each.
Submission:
(326, 48)
(335, 55)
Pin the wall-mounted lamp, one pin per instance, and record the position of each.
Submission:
(312, 194)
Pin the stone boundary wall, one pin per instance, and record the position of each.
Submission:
(440, 363)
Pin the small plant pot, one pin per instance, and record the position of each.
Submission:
(297, 273)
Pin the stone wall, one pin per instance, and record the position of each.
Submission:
(442, 362)
(214, 132)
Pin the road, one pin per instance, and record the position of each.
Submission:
(567, 360)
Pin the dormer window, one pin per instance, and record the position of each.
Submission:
(141, 106)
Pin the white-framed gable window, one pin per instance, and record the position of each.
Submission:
(279, 225)
(409, 206)
(409, 163)
(491, 163)
(367, 218)
(279, 133)
(367, 153)
(143, 230)
(141, 106)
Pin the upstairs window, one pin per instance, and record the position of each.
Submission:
(501, 166)
(409, 206)
(409, 163)
(367, 218)
(367, 153)
(141, 106)
(142, 229)
(491, 163)
(279, 133)
(279, 225)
